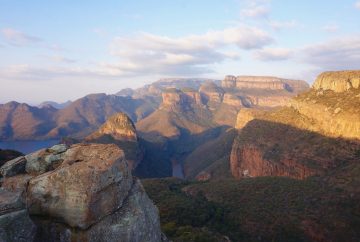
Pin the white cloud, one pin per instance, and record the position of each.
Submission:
(273, 54)
(336, 54)
(357, 5)
(148, 53)
(18, 38)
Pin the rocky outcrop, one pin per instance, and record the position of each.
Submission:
(244, 116)
(120, 130)
(338, 81)
(175, 99)
(89, 196)
(211, 94)
(333, 104)
(232, 100)
(119, 126)
(268, 101)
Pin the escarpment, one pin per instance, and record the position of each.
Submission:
(264, 82)
(320, 130)
(80, 193)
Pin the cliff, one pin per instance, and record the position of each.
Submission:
(263, 82)
(338, 81)
(211, 94)
(281, 144)
(80, 193)
(317, 132)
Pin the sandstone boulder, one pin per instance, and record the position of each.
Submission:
(136, 221)
(91, 183)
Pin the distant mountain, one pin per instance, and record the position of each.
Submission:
(79, 119)
(55, 104)
(22, 122)
(212, 105)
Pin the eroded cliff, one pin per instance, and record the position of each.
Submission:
(319, 130)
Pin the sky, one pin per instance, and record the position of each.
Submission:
(63, 50)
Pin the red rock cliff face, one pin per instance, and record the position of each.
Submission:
(248, 161)
(269, 148)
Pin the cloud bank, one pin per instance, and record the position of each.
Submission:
(18, 38)
(148, 53)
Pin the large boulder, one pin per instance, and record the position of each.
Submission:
(80, 193)
(136, 221)
(91, 183)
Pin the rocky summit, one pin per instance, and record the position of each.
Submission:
(119, 126)
(80, 193)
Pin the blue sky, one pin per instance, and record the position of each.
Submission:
(60, 50)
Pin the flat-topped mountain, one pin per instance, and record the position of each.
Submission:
(264, 82)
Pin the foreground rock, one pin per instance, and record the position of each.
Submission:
(89, 195)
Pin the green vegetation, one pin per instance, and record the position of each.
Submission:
(184, 217)
(257, 209)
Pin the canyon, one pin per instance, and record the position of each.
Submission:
(232, 137)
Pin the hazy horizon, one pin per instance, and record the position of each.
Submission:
(54, 51)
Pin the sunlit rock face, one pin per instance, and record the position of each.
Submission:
(119, 126)
(263, 82)
(318, 131)
(338, 81)
(80, 193)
